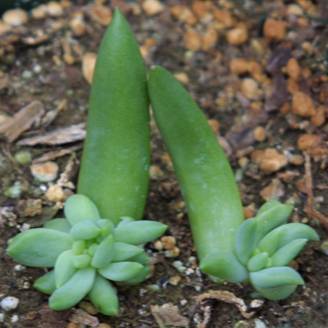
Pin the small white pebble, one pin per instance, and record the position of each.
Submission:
(256, 304)
(190, 271)
(198, 288)
(2, 317)
(9, 303)
(183, 302)
(25, 226)
(19, 267)
(14, 318)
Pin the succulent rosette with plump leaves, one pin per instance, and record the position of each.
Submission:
(87, 253)
(266, 244)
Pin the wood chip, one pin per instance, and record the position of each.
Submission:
(168, 315)
(227, 297)
(57, 137)
(51, 155)
(22, 121)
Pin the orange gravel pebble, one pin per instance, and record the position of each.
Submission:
(237, 35)
(308, 141)
(302, 104)
(274, 29)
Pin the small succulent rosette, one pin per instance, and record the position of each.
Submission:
(87, 253)
(266, 244)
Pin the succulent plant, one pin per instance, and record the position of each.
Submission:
(266, 244)
(87, 252)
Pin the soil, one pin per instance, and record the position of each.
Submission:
(49, 69)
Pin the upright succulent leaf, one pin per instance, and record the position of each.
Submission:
(124, 251)
(104, 253)
(39, 247)
(246, 240)
(117, 146)
(85, 230)
(207, 181)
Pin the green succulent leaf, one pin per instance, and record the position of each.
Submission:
(106, 226)
(276, 277)
(81, 261)
(64, 268)
(104, 296)
(277, 293)
(123, 251)
(46, 283)
(284, 234)
(268, 205)
(58, 224)
(140, 277)
(245, 240)
(79, 208)
(274, 215)
(258, 262)
(85, 230)
(288, 252)
(139, 232)
(121, 271)
(39, 247)
(104, 253)
(73, 290)
(141, 258)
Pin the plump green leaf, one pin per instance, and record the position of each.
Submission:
(139, 232)
(288, 252)
(104, 253)
(73, 290)
(268, 205)
(245, 240)
(276, 277)
(141, 258)
(58, 224)
(46, 283)
(79, 208)
(81, 261)
(275, 215)
(277, 293)
(85, 230)
(258, 262)
(224, 266)
(123, 251)
(39, 247)
(103, 296)
(284, 234)
(106, 226)
(64, 268)
(140, 277)
(121, 271)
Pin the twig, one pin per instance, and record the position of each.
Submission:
(309, 208)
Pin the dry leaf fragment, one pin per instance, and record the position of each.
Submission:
(168, 315)
(227, 297)
(22, 121)
(57, 137)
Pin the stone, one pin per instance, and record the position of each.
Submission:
(249, 88)
(15, 17)
(55, 193)
(45, 172)
(4, 28)
(209, 39)
(77, 25)
(269, 160)
(302, 104)
(259, 134)
(9, 303)
(308, 141)
(39, 12)
(293, 69)
(54, 9)
(152, 7)
(274, 29)
(319, 118)
(192, 40)
(237, 35)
